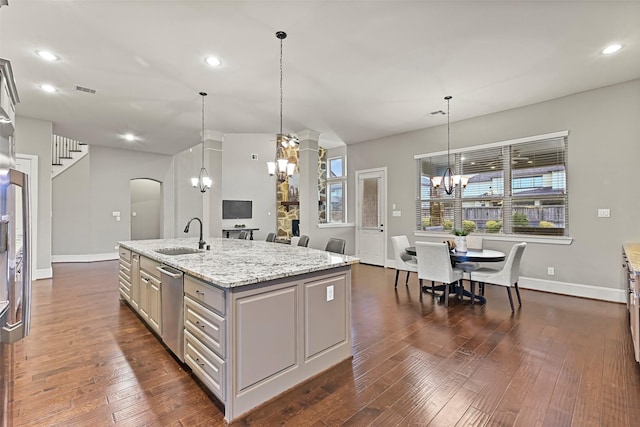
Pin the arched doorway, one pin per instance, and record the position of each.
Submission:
(146, 209)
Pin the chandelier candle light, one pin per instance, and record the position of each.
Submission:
(203, 182)
(281, 166)
(449, 180)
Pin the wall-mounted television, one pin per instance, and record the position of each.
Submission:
(236, 209)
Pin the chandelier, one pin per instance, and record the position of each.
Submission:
(281, 166)
(202, 181)
(449, 180)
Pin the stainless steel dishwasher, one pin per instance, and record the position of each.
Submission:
(172, 297)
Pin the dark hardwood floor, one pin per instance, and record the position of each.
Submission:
(558, 361)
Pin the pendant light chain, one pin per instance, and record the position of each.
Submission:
(281, 91)
(203, 94)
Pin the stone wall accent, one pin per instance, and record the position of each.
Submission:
(322, 185)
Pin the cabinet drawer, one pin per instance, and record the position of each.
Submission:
(205, 364)
(205, 325)
(205, 294)
(125, 254)
(124, 272)
(149, 266)
(125, 289)
(153, 281)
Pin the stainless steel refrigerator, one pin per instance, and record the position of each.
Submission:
(15, 266)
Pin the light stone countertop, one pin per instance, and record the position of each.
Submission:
(233, 262)
(632, 250)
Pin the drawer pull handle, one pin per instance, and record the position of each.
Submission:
(199, 362)
(199, 324)
(199, 292)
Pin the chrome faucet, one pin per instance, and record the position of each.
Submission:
(201, 243)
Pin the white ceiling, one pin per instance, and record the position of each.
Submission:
(353, 70)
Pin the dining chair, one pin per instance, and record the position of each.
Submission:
(507, 276)
(304, 241)
(243, 235)
(271, 237)
(434, 263)
(404, 261)
(336, 245)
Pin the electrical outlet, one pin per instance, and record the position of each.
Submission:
(397, 213)
(551, 271)
(116, 247)
(604, 213)
(330, 293)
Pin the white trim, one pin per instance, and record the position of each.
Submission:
(574, 289)
(336, 225)
(33, 207)
(43, 273)
(384, 171)
(548, 240)
(565, 288)
(552, 135)
(85, 258)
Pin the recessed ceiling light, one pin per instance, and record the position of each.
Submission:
(213, 61)
(45, 54)
(611, 49)
(48, 88)
(129, 137)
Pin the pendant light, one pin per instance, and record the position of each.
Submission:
(281, 166)
(449, 180)
(203, 182)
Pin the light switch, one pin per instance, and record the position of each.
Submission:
(604, 213)
(133, 214)
(117, 219)
(115, 213)
(397, 213)
(330, 293)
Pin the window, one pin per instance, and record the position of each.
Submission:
(336, 190)
(515, 187)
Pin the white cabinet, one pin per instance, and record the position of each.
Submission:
(135, 281)
(150, 302)
(124, 274)
(205, 334)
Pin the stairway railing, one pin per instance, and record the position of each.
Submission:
(62, 148)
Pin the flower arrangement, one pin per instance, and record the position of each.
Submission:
(463, 232)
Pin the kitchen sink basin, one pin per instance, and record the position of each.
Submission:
(178, 251)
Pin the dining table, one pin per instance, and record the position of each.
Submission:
(471, 255)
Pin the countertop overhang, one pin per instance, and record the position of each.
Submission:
(234, 262)
(632, 250)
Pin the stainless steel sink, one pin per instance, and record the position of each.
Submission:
(177, 251)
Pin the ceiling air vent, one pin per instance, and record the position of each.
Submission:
(85, 89)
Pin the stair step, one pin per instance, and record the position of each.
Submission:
(56, 164)
(65, 157)
(76, 151)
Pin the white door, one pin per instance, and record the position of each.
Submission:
(371, 235)
(28, 164)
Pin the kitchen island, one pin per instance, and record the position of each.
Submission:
(257, 317)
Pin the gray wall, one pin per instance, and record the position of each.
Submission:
(71, 212)
(246, 179)
(95, 190)
(604, 149)
(33, 136)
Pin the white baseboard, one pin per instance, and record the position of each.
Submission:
(574, 289)
(565, 288)
(85, 258)
(43, 273)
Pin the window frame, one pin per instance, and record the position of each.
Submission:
(342, 180)
(507, 198)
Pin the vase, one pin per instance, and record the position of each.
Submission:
(461, 243)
